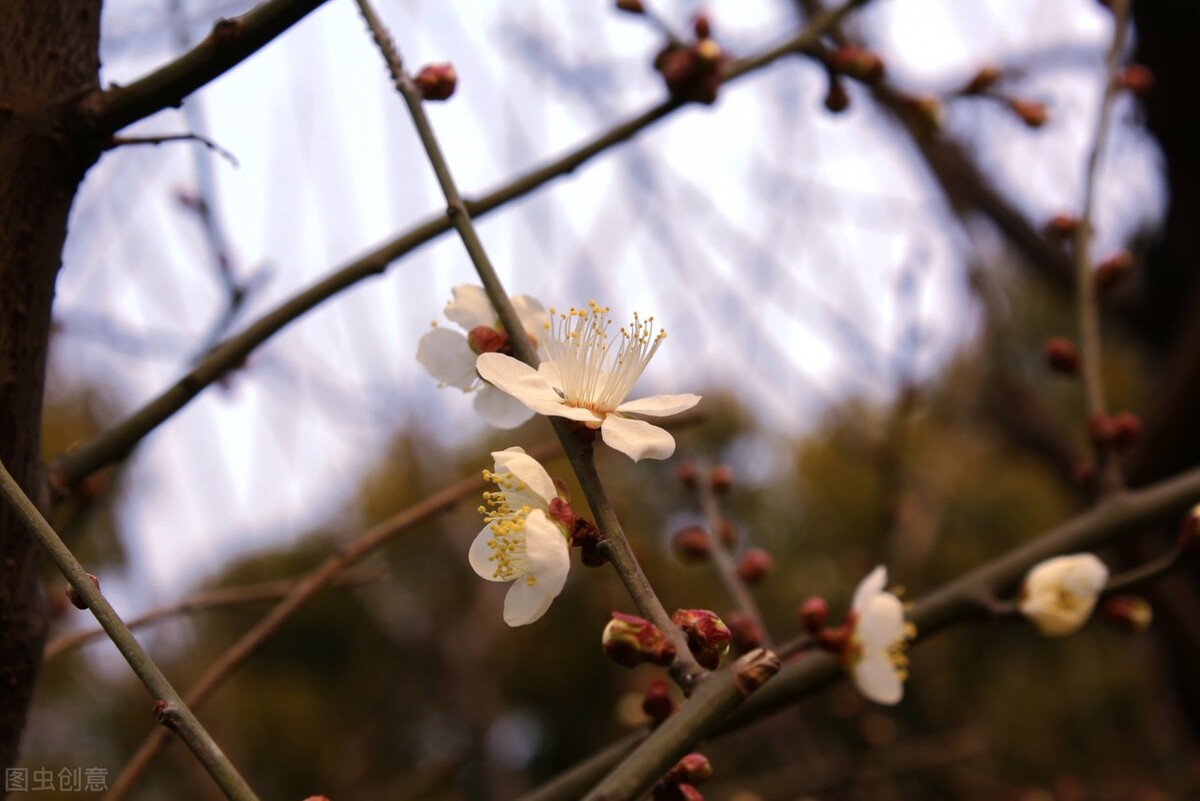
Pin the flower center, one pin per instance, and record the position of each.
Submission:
(508, 527)
(598, 369)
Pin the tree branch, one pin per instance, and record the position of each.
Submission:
(230, 42)
(171, 710)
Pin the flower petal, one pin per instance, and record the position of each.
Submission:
(528, 471)
(480, 556)
(528, 386)
(637, 439)
(880, 623)
(660, 405)
(869, 587)
(470, 307)
(531, 595)
(877, 680)
(498, 408)
(549, 370)
(447, 357)
(532, 314)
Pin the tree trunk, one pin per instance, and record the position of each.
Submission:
(49, 57)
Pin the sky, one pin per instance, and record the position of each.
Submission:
(795, 257)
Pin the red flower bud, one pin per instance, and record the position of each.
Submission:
(1127, 429)
(1102, 430)
(485, 339)
(745, 632)
(692, 769)
(1131, 613)
(1032, 113)
(631, 6)
(754, 565)
(727, 531)
(1062, 227)
(587, 538)
(836, 98)
(983, 80)
(437, 81)
(701, 26)
(629, 640)
(857, 62)
(75, 598)
(721, 478)
(1061, 355)
(707, 635)
(1113, 270)
(691, 544)
(657, 702)
(1137, 79)
(687, 474)
(814, 614)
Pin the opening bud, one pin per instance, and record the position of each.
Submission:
(1031, 112)
(754, 566)
(1061, 355)
(75, 598)
(630, 640)
(747, 635)
(691, 544)
(1131, 613)
(437, 81)
(707, 635)
(814, 614)
(692, 769)
(983, 80)
(657, 702)
(1113, 270)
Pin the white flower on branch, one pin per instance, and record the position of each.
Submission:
(1059, 594)
(449, 356)
(587, 377)
(878, 638)
(521, 542)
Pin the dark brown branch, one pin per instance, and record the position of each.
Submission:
(230, 42)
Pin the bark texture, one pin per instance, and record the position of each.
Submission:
(49, 57)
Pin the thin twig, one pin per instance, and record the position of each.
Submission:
(230, 42)
(172, 711)
(1139, 576)
(124, 141)
(1087, 304)
(720, 558)
(117, 442)
(953, 603)
(201, 601)
(685, 670)
(299, 596)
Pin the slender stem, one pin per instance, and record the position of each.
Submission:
(126, 141)
(720, 558)
(1087, 305)
(211, 599)
(230, 42)
(170, 708)
(685, 670)
(117, 442)
(1139, 576)
(299, 596)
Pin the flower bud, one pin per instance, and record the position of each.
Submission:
(858, 63)
(692, 769)
(755, 564)
(437, 81)
(1113, 270)
(630, 640)
(814, 613)
(1137, 79)
(1062, 227)
(1127, 429)
(836, 98)
(1032, 113)
(1102, 431)
(631, 6)
(747, 635)
(1059, 594)
(727, 531)
(754, 669)
(687, 474)
(1189, 531)
(657, 702)
(707, 635)
(587, 538)
(1061, 355)
(75, 598)
(691, 544)
(721, 479)
(1131, 613)
(701, 26)
(835, 641)
(983, 80)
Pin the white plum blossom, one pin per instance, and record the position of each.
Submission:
(1059, 594)
(520, 543)
(878, 638)
(449, 355)
(587, 376)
